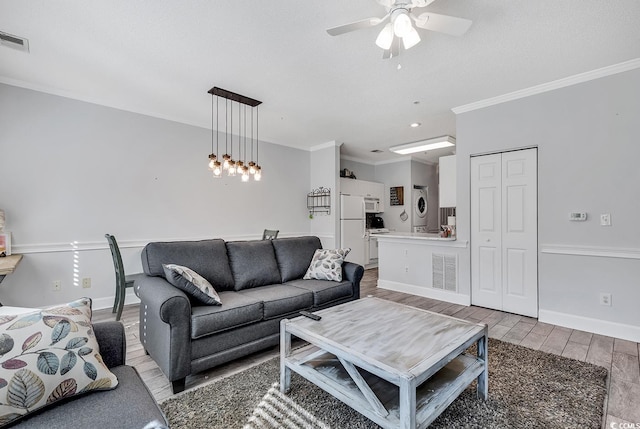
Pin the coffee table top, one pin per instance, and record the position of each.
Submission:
(391, 336)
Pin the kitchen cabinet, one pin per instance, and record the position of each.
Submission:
(363, 188)
(447, 178)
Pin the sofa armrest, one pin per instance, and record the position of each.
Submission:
(353, 273)
(165, 325)
(112, 342)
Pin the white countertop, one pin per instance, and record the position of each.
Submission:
(414, 236)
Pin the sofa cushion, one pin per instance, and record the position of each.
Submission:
(236, 310)
(192, 283)
(47, 356)
(206, 257)
(280, 300)
(324, 291)
(327, 264)
(294, 255)
(130, 405)
(253, 263)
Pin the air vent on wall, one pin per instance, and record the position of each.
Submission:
(444, 271)
(14, 42)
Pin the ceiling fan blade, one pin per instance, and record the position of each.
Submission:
(346, 28)
(443, 23)
(386, 3)
(421, 3)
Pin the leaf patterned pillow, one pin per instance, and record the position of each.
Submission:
(191, 283)
(326, 264)
(46, 356)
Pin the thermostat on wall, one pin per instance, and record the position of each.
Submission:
(578, 216)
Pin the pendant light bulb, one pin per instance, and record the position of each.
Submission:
(226, 161)
(385, 38)
(252, 167)
(402, 24)
(217, 169)
(232, 168)
(258, 175)
(245, 174)
(411, 39)
(212, 160)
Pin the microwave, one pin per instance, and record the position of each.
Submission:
(372, 205)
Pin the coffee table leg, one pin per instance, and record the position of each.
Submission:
(407, 404)
(483, 378)
(285, 351)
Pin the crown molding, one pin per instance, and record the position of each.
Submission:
(550, 86)
(326, 145)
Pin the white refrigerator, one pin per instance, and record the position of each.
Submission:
(352, 227)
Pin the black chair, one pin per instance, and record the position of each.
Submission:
(270, 234)
(122, 281)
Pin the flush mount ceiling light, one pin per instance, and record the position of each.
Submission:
(424, 145)
(228, 164)
(415, 125)
(401, 25)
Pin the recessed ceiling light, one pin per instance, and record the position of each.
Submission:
(424, 145)
(415, 125)
(376, 151)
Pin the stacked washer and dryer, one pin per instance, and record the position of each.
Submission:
(419, 197)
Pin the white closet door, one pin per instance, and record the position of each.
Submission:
(520, 232)
(504, 242)
(486, 221)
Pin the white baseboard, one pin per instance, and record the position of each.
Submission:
(452, 297)
(107, 302)
(596, 326)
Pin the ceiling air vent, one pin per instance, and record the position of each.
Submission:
(376, 151)
(15, 42)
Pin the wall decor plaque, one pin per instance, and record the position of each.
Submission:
(396, 194)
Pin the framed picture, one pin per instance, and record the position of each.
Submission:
(396, 194)
(5, 244)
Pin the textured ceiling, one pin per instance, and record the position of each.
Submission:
(160, 57)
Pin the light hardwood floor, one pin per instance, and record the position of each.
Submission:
(620, 357)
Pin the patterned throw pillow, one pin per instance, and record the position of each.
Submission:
(46, 356)
(326, 264)
(191, 283)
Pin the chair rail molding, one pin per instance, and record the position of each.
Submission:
(595, 251)
(84, 246)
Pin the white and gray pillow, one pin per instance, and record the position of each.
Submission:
(326, 264)
(191, 283)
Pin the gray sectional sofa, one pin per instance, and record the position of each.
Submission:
(259, 283)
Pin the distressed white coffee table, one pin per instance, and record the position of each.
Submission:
(397, 365)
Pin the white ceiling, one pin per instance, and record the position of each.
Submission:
(160, 57)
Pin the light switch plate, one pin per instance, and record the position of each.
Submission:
(578, 216)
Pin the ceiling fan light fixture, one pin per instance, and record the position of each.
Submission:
(401, 22)
(385, 38)
(424, 145)
(411, 39)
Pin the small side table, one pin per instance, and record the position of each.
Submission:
(8, 264)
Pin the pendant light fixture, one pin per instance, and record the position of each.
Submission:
(242, 168)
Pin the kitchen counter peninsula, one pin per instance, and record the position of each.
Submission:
(421, 264)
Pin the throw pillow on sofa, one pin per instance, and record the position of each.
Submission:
(191, 283)
(326, 264)
(49, 355)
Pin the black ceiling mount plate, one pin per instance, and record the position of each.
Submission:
(234, 96)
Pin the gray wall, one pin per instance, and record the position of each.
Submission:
(588, 152)
(73, 171)
(396, 174)
(361, 170)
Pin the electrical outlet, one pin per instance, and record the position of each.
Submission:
(605, 219)
(56, 285)
(86, 282)
(605, 299)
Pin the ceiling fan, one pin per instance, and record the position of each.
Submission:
(400, 26)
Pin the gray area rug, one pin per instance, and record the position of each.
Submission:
(527, 389)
